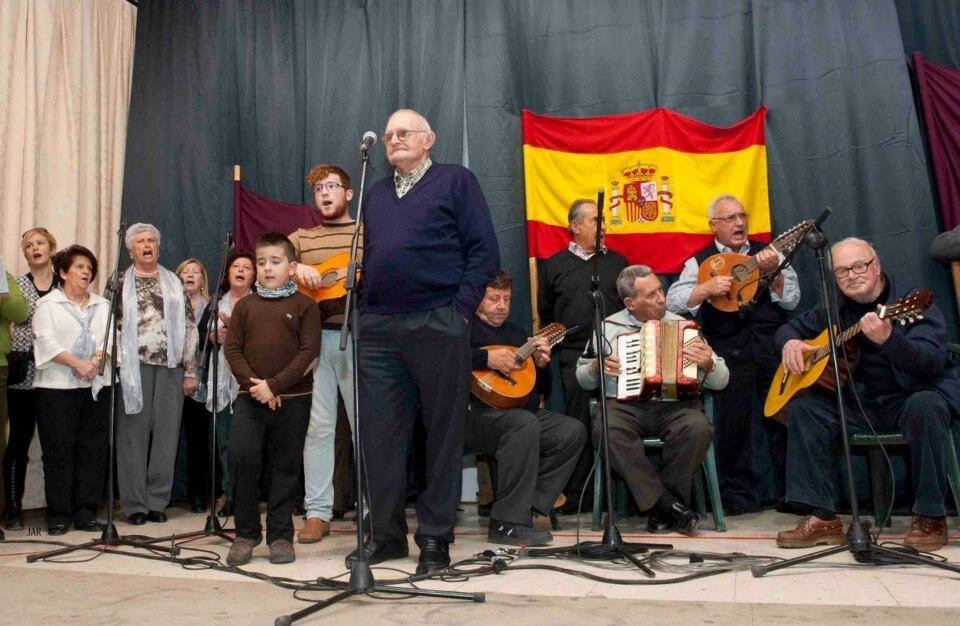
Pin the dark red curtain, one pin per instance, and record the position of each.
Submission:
(254, 215)
(940, 98)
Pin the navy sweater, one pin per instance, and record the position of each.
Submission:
(433, 246)
(913, 358)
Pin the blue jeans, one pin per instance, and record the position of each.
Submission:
(334, 371)
(813, 425)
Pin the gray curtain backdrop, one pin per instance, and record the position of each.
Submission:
(278, 86)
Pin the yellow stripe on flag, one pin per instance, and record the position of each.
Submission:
(650, 191)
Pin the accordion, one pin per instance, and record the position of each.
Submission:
(652, 364)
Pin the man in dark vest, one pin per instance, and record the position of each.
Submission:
(745, 340)
(564, 296)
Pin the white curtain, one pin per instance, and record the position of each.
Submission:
(65, 74)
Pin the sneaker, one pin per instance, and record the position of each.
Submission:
(518, 534)
(281, 551)
(313, 531)
(241, 551)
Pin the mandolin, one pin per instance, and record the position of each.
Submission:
(745, 270)
(333, 273)
(785, 385)
(508, 391)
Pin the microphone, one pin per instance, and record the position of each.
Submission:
(822, 218)
(369, 138)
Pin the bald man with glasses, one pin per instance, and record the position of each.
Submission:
(902, 381)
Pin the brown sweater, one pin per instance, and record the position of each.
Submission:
(274, 339)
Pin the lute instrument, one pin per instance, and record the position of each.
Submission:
(508, 391)
(745, 270)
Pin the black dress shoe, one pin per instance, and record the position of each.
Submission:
(226, 510)
(56, 530)
(158, 517)
(434, 555)
(380, 551)
(197, 505)
(684, 519)
(658, 525)
(13, 518)
(90, 526)
(137, 519)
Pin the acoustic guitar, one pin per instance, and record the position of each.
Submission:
(745, 270)
(508, 391)
(785, 385)
(333, 274)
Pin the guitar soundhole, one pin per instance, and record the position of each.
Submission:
(329, 279)
(740, 272)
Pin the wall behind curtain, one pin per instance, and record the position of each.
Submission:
(64, 93)
(279, 86)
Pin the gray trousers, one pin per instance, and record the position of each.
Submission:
(686, 434)
(147, 441)
(535, 452)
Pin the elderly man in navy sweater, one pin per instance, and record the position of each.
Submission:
(429, 252)
(903, 384)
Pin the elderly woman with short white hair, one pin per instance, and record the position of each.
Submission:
(157, 369)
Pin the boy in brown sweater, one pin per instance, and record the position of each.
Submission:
(272, 343)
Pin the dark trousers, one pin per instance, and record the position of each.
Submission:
(196, 429)
(577, 402)
(685, 431)
(73, 434)
(734, 417)
(22, 408)
(535, 454)
(406, 360)
(283, 431)
(814, 424)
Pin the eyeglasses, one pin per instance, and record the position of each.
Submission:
(730, 219)
(857, 268)
(401, 133)
(331, 186)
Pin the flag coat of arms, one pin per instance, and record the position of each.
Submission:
(659, 171)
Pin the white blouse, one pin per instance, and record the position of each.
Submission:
(55, 331)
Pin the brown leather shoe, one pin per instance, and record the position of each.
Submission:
(313, 531)
(926, 534)
(812, 531)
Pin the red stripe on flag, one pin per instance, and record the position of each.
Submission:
(657, 128)
(665, 253)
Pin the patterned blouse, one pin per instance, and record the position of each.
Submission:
(151, 331)
(22, 337)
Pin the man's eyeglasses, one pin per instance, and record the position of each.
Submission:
(730, 219)
(857, 268)
(401, 133)
(331, 186)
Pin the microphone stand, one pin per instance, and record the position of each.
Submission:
(361, 580)
(109, 537)
(612, 546)
(211, 362)
(859, 542)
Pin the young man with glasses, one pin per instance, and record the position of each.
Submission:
(332, 194)
(745, 340)
(902, 382)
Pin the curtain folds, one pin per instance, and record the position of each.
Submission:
(65, 85)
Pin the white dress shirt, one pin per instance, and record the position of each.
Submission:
(55, 331)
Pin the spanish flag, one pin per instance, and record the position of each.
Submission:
(659, 171)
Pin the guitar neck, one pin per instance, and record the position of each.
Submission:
(842, 338)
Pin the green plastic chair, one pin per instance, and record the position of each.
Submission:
(619, 487)
(880, 487)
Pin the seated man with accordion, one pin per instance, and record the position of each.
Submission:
(655, 363)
